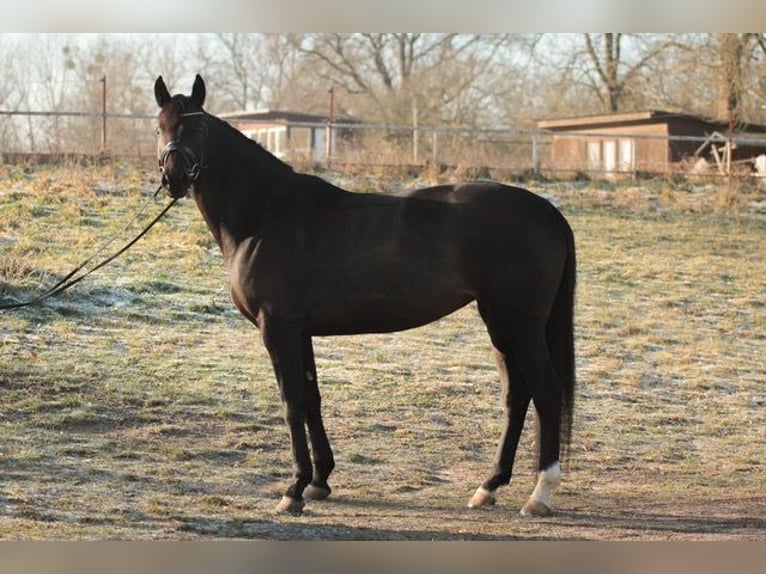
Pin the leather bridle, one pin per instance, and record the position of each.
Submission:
(193, 162)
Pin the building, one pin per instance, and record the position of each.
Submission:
(647, 142)
(291, 135)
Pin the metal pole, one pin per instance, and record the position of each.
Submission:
(729, 136)
(633, 158)
(103, 114)
(414, 131)
(330, 121)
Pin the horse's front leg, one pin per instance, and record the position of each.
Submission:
(324, 462)
(284, 342)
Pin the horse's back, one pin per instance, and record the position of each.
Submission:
(491, 212)
(506, 239)
(495, 211)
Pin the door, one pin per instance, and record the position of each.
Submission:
(610, 156)
(627, 158)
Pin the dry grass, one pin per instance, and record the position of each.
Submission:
(141, 405)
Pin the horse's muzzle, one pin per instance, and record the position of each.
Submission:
(179, 168)
(177, 185)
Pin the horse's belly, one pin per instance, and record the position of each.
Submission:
(382, 312)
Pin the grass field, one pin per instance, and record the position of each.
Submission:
(142, 405)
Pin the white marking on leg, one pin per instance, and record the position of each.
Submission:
(482, 497)
(547, 480)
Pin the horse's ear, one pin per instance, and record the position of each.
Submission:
(161, 93)
(198, 91)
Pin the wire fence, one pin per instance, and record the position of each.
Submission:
(470, 152)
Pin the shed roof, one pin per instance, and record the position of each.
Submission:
(622, 119)
(281, 117)
(645, 117)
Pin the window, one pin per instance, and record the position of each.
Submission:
(300, 140)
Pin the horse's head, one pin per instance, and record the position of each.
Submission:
(181, 132)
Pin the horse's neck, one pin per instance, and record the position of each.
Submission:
(240, 187)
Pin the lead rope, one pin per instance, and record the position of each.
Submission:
(68, 281)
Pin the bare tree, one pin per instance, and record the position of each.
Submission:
(45, 81)
(368, 67)
(736, 54)
(472, 80)
(386, 74)
(284, 75)
(368, 63)
(111, 67)
(13, 91)
(246, 70)
(239, 63)
(167, 55)
(720, 76)
(612, 72)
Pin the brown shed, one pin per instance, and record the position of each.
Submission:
(651, 141)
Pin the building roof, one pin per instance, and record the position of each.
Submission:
(621, 119)
(645, 117)
(281, 117)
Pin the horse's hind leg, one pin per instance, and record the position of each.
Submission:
(531, 350)
(516, 398)
(526, 372)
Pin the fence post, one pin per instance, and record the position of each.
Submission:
(103, 114)
(330, 121)
(535, 156)
(414, 131)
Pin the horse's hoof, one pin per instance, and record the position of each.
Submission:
(482, 497)
(313, 492)
(289, 505)
(535, 508)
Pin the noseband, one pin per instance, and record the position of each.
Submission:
(186, 152)
(190, 157)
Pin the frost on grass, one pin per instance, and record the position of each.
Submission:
(142, 405)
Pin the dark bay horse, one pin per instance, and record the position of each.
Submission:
(306, 258)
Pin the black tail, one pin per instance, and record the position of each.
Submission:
(560, 336)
